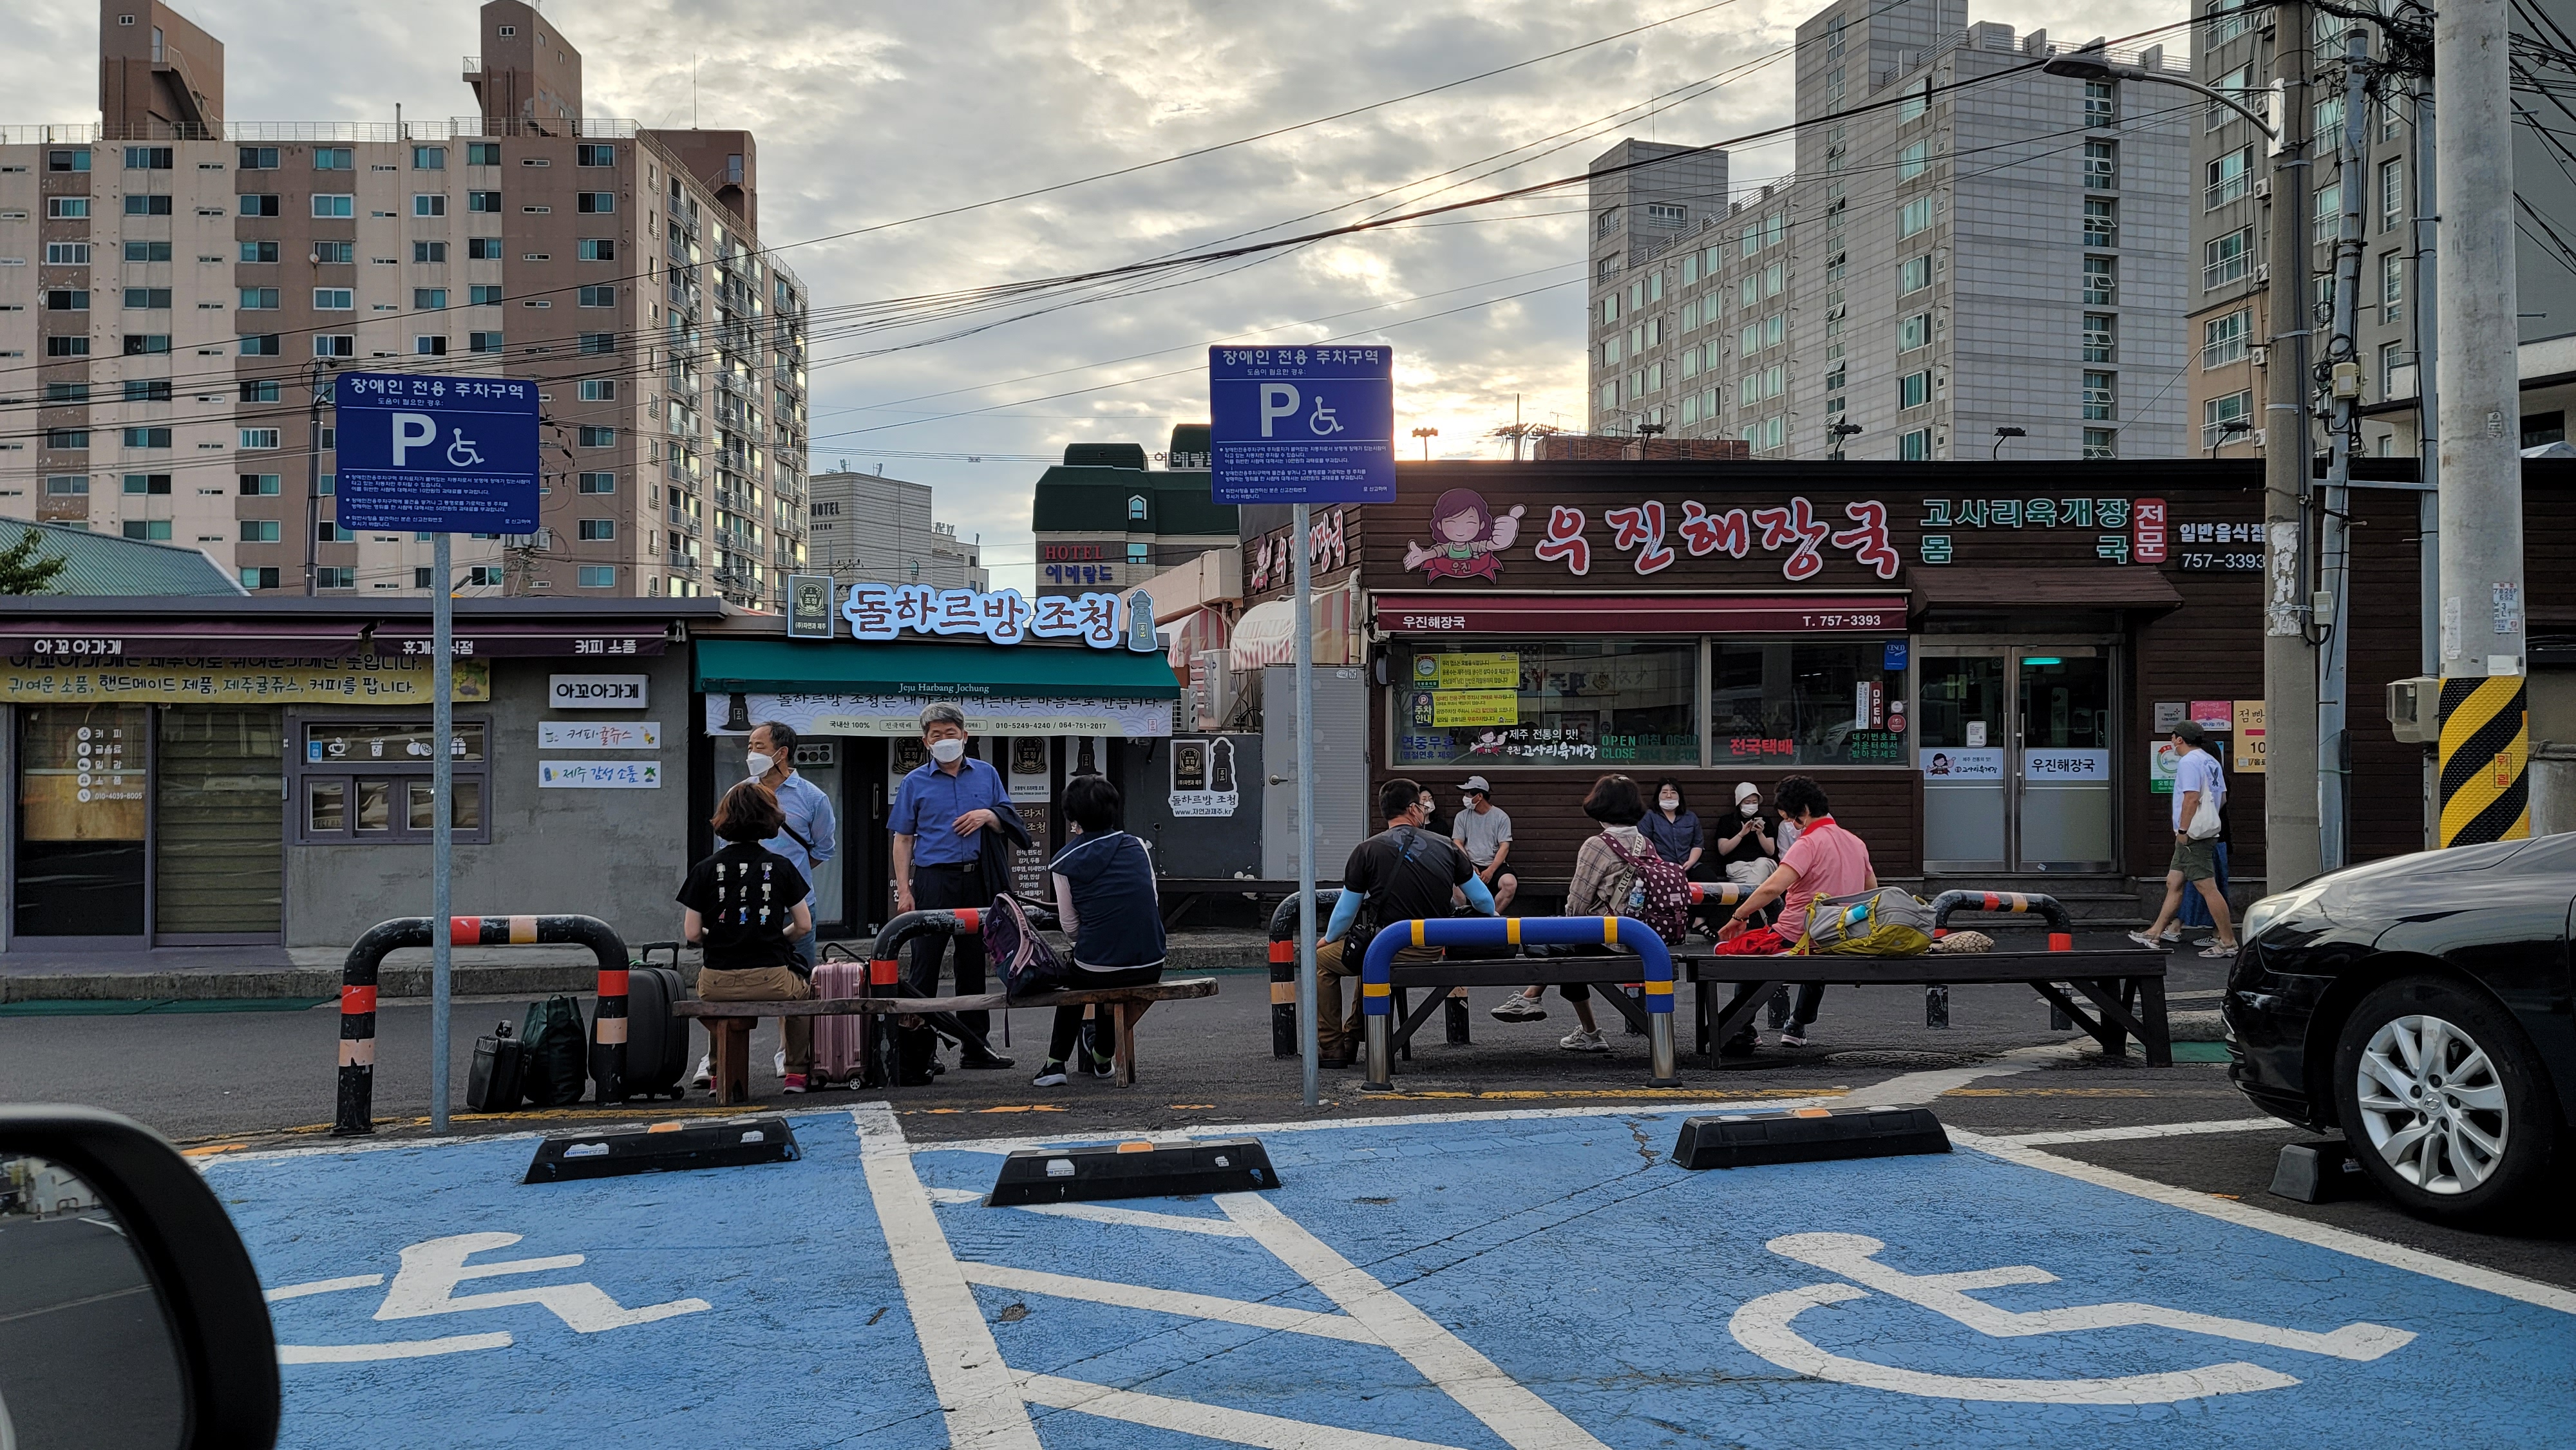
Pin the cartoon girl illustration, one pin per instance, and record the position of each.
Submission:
(1466, 537)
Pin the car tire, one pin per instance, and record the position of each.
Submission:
(2460, 1135)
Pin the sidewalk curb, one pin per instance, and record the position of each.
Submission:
(532, 979)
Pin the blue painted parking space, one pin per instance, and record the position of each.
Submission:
(1507, 1281)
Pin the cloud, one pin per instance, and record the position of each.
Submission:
(868, 115)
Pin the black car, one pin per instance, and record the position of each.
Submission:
(2421, 1006)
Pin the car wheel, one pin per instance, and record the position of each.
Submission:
(2441, 1098)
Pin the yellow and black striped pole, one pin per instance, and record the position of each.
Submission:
(2486, 748)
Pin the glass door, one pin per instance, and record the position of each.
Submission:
(1962, 737)
(81, 819)
(2063, 776)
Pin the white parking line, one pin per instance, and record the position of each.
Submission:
(1167, 1301)
(2227, 1210)
(2144, 1130)
(1212, 1422)
(975, 1388)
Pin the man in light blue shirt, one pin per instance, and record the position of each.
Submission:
(938, 821)
(2197, 777)
(808, 838)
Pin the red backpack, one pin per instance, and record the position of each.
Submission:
(1659, 895)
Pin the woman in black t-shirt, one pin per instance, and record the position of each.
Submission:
(746, 908)
(1105, 900)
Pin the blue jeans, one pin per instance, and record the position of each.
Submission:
(2195, 910)
(805, 947)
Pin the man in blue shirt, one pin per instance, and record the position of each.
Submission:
(938, 819)
(808, 838)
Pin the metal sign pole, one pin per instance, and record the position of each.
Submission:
(1306, 925)
(442, 775)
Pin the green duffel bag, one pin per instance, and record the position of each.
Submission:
(558, 1053)
(1888, 922)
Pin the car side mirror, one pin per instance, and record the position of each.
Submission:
(114, 1252)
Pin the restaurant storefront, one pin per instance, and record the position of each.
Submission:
(199, 772)
(1976, 662)
(1042, 708)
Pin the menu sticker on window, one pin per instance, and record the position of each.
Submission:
(1950, 764)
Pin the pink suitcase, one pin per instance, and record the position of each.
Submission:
(840, 1042)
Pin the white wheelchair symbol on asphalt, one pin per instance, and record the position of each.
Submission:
(1322, 422)
(464, 445)
(426, 1286)
(1764, 1326)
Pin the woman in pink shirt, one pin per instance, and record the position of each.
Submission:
(1825, 860)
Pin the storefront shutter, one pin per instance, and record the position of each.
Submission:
(220, 824)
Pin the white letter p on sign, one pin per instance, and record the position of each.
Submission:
(1278, 400)
(419, 430)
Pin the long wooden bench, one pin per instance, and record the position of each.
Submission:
(2126, 988)
(729, 1023)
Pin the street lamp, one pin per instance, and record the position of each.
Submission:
(2002, 433)
(2227, 430)
(1838, 432)
(1426, 435)
(2095, 65)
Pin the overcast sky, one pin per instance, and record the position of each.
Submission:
(871, 114)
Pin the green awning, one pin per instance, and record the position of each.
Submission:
(932, 670)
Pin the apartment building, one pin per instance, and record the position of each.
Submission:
(1104, 522)
(177, 292)
(2241, 51)
(1941, 264)
(871, 529)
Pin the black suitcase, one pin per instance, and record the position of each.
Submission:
(657, 1042)
(493, 1083)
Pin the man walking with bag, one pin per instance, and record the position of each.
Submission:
(2199, 790)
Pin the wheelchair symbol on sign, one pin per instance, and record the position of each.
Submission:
(426, 1286)
(1766, 1327)
(1323, 424)
(465, 446)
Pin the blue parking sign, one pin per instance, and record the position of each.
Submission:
(449, 455)
(1302, 424)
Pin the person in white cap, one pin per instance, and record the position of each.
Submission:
(1483, 830)
(1749, 847)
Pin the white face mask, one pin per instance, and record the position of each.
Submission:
(759, 764)
(1750, 808)
(1466, 803)
(946, 752)
(1670, 802)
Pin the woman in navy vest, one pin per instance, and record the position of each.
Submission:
(1104, 896)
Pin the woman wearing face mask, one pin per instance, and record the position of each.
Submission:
(1672, 827)
(1750, 847)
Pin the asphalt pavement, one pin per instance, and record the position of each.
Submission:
(73, 1301)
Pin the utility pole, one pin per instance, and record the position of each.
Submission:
(2341, 403)
(2428, 440)
(2289, 659)
(313, 473)
(2485, 732)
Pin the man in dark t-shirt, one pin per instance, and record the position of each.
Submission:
(1402, 873)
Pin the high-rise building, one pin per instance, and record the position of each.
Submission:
(2241, 52)
(176, 290)
(1942, 263)
(871, 529)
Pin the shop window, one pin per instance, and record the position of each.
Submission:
(360, 782)
(1796, 702)
(217, 820)
(81, 820)
(1548, 703)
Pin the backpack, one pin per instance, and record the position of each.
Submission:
(558, 1052)
(1024, 959)
(1888, 922)
(1365, 926)
(1658, 895)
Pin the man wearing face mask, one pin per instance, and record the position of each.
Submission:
(1484, 832)
(808, 839)
(937, 820)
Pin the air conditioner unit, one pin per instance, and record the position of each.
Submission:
(2262, 186)
(2414, 709)
(2262, 274)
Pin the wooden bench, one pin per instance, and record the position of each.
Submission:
(2126, 988)
(729, 1023)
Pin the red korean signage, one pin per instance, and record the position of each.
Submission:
(1438, 614)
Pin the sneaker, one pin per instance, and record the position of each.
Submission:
(795, 1083)
(2150, 943)
(1793, 1035)
(1519, 1008)
(2220, 951)
(1052, 1075)
(1581, 1041)
(988, 1062)
(1104, 1067)
(706, 1073)
(2172, 938)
